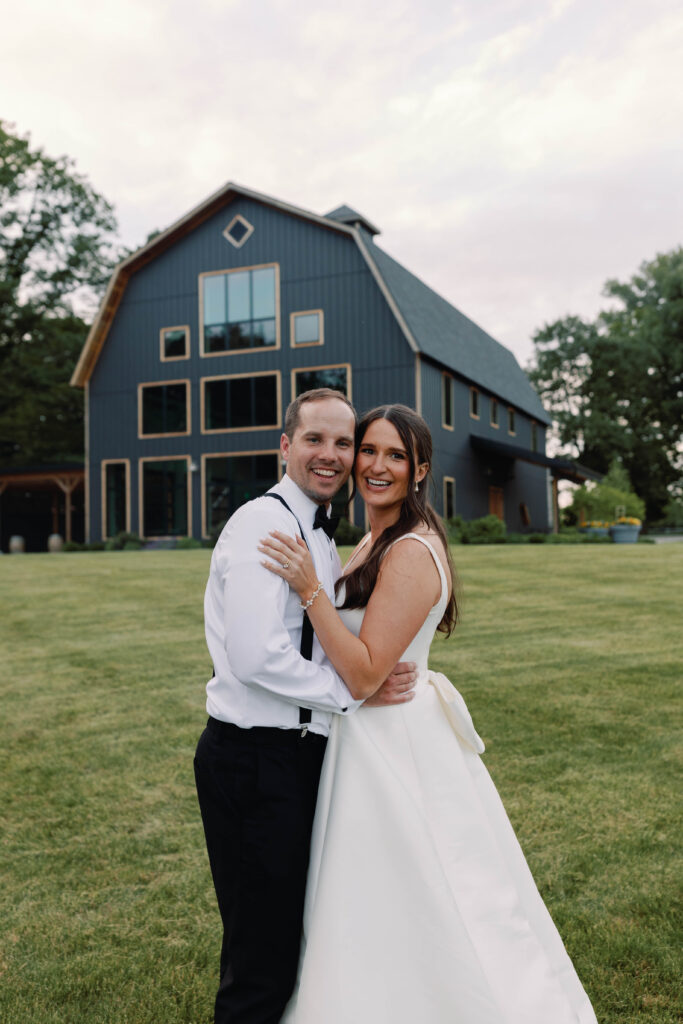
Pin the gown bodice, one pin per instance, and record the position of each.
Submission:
(418, 649)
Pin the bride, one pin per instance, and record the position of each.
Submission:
(420, 907)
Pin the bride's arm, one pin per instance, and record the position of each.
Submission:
(408, 585)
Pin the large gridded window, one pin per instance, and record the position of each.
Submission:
(229, 481)
(446, 400)
(238, 403)
(115, 498)
(239, 310)
(164, 409)
(164, 498)
(335, 377)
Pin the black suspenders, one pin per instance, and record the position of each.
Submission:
(306, 648)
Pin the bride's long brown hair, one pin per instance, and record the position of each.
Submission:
(415, 509)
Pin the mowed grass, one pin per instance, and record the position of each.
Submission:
(569, 658)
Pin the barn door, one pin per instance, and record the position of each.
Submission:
(496, 502)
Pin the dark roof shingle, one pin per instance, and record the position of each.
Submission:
(446, 335)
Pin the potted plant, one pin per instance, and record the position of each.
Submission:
(596, 527)
(625, 530)
(599, 506)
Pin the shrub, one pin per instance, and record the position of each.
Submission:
(188, 544)
(124, 542)
(455, 528)
(599, 502)
(538, 538)
(72, 545)
(487, 530)
(347, 533)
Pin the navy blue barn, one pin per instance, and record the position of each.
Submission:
(208, 331)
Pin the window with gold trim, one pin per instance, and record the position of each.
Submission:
(174, 343)
(474, 403)
(164, 497)
(163, 409)
(241, 402)
(336, 377)
(306, 328)
(448, 497)
(230, 480)
(239, 309)
(447, 401)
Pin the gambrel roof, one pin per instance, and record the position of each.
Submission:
(430, 324)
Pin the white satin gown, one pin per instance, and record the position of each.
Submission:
(420, 907)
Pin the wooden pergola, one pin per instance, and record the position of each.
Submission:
(68, 478)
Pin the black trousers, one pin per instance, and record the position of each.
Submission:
(257, 791)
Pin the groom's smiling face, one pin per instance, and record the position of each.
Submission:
(319, 455)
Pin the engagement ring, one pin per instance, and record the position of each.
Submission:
(285, 565)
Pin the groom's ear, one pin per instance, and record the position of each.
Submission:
(284, 447)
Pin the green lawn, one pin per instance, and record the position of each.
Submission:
(569, 658)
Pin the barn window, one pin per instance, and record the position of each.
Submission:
(240, 309)
(494, 413)
(511, 421)
(474, 403)
(241, 402)
(307, 328)
(447, 401)
(164, 497)
(175, 343)
(336, 377)
(230, 480)
(448, 497)
(238, 231)
(163, 409)
(115, 497)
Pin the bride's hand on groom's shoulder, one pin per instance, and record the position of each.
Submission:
(397, 688)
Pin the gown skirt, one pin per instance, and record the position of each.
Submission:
(420, 906)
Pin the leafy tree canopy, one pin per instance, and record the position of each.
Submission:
(614, 386)
(57, 251)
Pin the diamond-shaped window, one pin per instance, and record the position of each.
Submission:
(238, 231)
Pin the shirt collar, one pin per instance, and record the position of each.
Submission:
(302, 506)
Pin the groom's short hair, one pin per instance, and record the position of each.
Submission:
(316, 395)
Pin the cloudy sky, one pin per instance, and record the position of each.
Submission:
(514, 153)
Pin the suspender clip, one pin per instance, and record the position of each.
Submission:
(304, 731)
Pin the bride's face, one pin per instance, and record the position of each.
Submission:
(382, 467)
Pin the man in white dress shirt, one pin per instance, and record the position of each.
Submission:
(270, 703)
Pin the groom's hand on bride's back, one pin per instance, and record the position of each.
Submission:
(398, 688)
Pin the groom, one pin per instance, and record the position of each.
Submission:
(270, 702)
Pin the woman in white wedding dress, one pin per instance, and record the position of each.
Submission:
(420, 907)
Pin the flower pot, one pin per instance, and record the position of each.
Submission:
(594, 531)
(624, 533)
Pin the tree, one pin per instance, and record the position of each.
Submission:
(614, 387)
(56, 253)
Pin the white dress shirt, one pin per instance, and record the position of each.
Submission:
(253, 623)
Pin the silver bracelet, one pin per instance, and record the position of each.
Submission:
(311, 598)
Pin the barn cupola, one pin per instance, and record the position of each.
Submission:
(345, 215)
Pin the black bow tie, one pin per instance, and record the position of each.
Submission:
(324, 522)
